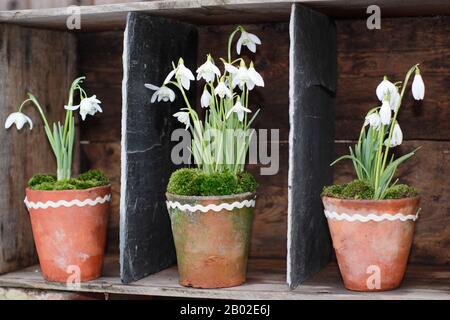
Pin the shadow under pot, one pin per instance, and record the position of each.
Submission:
(69, 229)
(212, 238)
(372, 240)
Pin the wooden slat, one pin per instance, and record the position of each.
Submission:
(146, 242)
(313, 66)
(365, 56)
(110, 16)
(266, 280)
(24, 58)
(427, 171)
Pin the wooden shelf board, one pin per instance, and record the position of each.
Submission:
(112, 16)
(266, 280)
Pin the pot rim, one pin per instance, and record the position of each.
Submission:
(245, 195)
(368, 202)
(28, 189)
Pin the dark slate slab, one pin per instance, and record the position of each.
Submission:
(150, 46)
(313, 71)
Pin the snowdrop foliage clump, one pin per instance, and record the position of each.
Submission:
(60, 136)
(221, 141)
(381, 131)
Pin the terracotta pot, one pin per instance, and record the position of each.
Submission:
(212, 246)
(372, 240)
(69, 229)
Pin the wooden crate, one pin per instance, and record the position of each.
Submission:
(284, 251)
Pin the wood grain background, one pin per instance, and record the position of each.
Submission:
(364, 57)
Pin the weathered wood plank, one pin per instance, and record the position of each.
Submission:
(427, 172)
(109, 16)
(266, 280)
(24, 58)
(365, 56)
(146, 243)
(313, 59)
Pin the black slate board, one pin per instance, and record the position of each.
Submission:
(313, 68)
(150, 46)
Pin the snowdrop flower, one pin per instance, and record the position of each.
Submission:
(162, 93)
(239, 109)
(385, 113)
(206, 99)
(249, 40)
(19, 119)
(255, 76)
(247, 77)
(208, 71)
(397, 137)
(385, 88)
(373, 120)
(181, 73)
(418, 87)
(183, 117)
(222, 90)
(87, 106)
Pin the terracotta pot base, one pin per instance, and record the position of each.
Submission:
(70, 239)
(212, 247)
(372, 240)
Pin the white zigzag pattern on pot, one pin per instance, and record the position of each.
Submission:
(370, 217)
(67, 204)
(211, 207)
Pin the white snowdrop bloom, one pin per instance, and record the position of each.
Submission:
(248, 40)
(87, 106)
(206, 99)
(239, 109)
(19, 119)
(222, 90)
(397, 137)
(373, 120)
(418, 87)
(208, 71)
(181, 73)
(163, 93)
(183, 117)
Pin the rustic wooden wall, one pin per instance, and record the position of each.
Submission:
(24, 67)
(364, 56)
(39, 4)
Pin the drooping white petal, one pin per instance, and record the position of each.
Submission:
(10, 120)
(256, 78)
(230, 68)
(206, 99)
(72, 108)
(89, 106)
(151, 86)
(154, 96)
(239, 45)
(394, 100)
(385, 113)
(254, 38)
(418, 87)
(397, 137)
(170, 76)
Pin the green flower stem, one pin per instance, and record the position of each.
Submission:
(397, 109)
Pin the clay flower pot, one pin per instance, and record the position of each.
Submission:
(372, 240)
(212, 238)
(69, 229)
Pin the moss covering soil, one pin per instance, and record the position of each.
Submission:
(361, 190)
(194, 182)
(87, 180)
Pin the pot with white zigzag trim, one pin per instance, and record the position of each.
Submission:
(372, 240)
(69, 229)
(212, 238)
